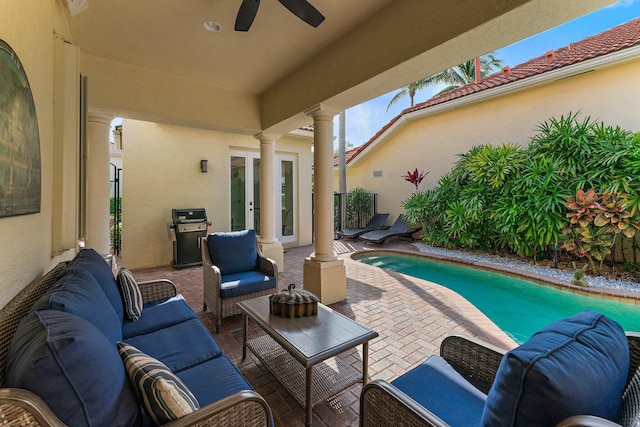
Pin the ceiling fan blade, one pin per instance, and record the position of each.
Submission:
(304, 10)
(246, 14)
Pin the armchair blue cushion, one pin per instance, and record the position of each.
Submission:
(574, 366)
(435, 385)
(245, 283)
(233, 252)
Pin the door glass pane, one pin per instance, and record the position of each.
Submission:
(238, 206)
(256, 195)
(286, 193)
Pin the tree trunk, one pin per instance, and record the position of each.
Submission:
(342, 157)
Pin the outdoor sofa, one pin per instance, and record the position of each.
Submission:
(59, 348)
(580, 371)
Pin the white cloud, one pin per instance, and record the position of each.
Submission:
(624, 3)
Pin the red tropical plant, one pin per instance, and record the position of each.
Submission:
(595, 222)
(582, 208)
(415, 177)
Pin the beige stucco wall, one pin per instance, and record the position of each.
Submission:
(28, 27)
(431, 143)
(161, 171)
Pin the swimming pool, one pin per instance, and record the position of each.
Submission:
(518, 307)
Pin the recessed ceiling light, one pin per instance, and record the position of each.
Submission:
(212, 26)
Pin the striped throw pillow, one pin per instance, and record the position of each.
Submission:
(159, 390)
(131, 295)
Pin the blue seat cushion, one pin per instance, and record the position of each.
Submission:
(219, 371)
(574, 366)
(96, 264)
(179, 346)
(248, 282)
(158, 315)
(79, 293)
(436, 386)
(72, 366)
(234, 251)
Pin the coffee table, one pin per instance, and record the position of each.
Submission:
(301, 352)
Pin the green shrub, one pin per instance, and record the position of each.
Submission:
(512, 197)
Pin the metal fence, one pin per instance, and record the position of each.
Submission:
(353, 210)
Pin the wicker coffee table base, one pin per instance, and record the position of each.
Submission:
(329, 377)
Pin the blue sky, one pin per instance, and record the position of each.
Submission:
(364, 120)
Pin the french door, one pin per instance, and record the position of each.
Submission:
(245, 193)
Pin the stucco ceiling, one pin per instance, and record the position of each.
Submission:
(132, 50)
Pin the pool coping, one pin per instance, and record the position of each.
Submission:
(620, 295)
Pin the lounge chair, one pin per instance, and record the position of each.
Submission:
(400, 227)
(375, 223)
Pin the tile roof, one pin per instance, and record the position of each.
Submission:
(348, 155)
(615, 39)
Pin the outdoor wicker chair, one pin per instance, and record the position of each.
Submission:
(234, 270)
(464, 373)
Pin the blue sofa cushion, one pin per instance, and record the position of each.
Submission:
(436, 386)
(179, 346)
(72, 366)
(574, 366)
(219, 371)
(162, 393)
(79, 293)
(234, 251)
(159, 315)
(95, 263)
(247, 282)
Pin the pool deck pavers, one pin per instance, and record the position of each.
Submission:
(411, 316)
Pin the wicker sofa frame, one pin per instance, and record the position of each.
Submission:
(220, 307)
(24, 408)
(382, 404)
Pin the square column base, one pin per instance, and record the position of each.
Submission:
(275, 251)
(326, 279)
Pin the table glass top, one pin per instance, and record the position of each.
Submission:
(328, 332)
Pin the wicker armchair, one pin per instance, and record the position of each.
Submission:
(223, 289)
(383, 404)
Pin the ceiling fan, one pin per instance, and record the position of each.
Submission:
(301, 8)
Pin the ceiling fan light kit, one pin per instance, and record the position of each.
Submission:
(301, 8)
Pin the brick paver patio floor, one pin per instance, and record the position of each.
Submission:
(411, 315)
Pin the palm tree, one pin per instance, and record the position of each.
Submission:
(410, 90)
(465, 73)
(455, 77)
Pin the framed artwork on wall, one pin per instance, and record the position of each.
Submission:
(20, 169)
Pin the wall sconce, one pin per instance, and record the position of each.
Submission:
(203, 166)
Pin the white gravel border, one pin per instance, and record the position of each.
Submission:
(511, 263)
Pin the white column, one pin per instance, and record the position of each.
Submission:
(324, 273)
(269, 244)
(97, 186)
(323, 183)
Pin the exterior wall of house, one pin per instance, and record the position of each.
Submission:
(161, 171)
(431, 143)
(26, 241)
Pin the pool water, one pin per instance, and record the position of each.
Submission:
(519, 307)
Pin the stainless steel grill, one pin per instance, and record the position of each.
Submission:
(188, 226)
